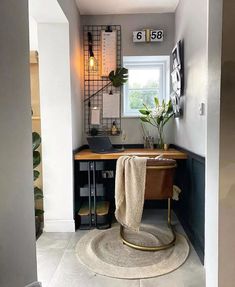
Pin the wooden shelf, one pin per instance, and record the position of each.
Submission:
(86, 154)
(36, 118)
(33, 57)
(102, 209)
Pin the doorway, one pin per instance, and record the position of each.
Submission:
(49, 39)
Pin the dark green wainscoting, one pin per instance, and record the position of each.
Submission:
(190, 209)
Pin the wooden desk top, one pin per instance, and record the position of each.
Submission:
(86, 154)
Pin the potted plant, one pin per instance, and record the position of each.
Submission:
(38, 194)
(157, 117)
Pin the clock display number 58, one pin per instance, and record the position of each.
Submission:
(156, 35)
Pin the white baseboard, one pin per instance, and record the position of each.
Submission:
(34, 284)
(59, 226)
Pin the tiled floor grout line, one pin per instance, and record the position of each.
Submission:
(71, 236)
(57, 267)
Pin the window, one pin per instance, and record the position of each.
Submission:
(148, 78)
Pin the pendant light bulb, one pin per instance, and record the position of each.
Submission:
(92, 62)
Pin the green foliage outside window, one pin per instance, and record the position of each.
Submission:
(143, 94)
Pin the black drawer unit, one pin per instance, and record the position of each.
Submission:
(100, 190)
(94, 194)
(85, 165)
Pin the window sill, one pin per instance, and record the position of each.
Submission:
(130, 116)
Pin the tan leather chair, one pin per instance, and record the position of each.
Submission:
(159, 185)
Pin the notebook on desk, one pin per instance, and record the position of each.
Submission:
(101, 145)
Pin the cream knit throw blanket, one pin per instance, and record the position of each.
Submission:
(129, 190)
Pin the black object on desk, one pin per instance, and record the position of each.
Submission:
(101, 145)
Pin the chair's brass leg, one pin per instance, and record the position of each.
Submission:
(152, 248)
(169, 212)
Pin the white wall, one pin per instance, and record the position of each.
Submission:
(33, 34)
(191, 27)
(60, 66)
(130, 23)
(46, 11)
(55, 104)
(17, 227)
(76, 68)
(212, 142)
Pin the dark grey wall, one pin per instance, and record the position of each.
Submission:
(191, 27)
(136, 22)
(17, 225)
(130, 23)
(190, 209)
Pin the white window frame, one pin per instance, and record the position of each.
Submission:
(146, 62)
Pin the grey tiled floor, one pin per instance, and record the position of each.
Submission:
(59, 267)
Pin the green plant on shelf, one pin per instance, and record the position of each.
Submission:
(38, 194)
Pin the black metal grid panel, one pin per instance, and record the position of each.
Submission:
(93, 81)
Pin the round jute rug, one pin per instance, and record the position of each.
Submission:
(103, 252)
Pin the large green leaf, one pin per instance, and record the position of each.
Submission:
(144, 119)
(170, 107)
(36, 174)
(156, 101)
(144, 112)
(38, 194)
(36, 140)
(36, 158)
(119, 77)
(38, 212)
(36, 197)
(159, 120)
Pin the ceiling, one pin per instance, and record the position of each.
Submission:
(102, 7)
